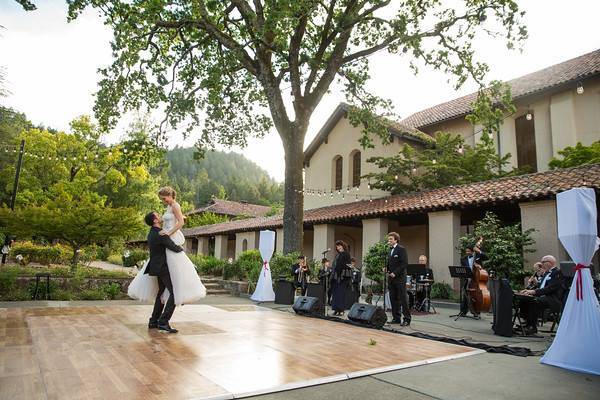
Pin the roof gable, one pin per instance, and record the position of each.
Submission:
(548, 78)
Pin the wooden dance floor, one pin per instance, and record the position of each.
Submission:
(220, 352)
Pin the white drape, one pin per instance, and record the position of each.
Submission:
(577, 342)
(264, 286)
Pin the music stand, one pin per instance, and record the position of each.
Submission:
(462, 273)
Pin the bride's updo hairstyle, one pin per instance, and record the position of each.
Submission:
(167, 191)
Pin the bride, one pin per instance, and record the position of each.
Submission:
(186, 283)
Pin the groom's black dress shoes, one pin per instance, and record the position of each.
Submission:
(167, 329)
(153, 325)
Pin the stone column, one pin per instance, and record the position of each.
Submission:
(323, 239)
(374, 230)
(203, 245)
(444, 231)
(541, 216)
(221, 246)
(279, 241)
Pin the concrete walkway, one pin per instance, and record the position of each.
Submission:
(113, 267)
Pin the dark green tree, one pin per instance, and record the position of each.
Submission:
(238, 67)
(576, 156)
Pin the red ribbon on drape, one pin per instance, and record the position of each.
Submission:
(579, 281)
(265, 263)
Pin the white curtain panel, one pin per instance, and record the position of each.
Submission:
(264, 287)
(577, 342)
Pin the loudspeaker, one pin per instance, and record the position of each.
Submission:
(503, 313)
(368, 314)
(307, 305)
(284, 292)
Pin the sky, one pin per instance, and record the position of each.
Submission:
(51, 67)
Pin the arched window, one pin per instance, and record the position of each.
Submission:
(337, 172)
(355, 168)
(244, 244)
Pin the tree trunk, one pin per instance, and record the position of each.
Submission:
(293, 210)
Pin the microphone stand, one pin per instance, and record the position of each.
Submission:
(326, 278)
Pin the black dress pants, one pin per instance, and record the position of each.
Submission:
(161, 314)
(533, 309)
(399, 299)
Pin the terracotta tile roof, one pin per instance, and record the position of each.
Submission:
(233, 208)
(542, 185)
(569, 71)
(396, 128)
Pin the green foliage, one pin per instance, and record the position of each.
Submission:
(441, 290)
(205, 218)
(227, 69)
(115, 259)
(247, 266)
(449, 161)
(82, 272)
(208, 265)
(504, 245)
(43, 254)
(221, 175)
(576, 156)
(134, 257)
(281, 264)
(375, 261)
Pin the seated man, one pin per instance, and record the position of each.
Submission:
(548, 294)
(426, 274)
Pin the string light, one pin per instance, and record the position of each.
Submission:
(580, 88)
(529, 116)
(461, 149)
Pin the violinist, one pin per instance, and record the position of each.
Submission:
(474, 258)
(300, 273)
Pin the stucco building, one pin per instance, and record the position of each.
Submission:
(556, 107)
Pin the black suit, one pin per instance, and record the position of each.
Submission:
(157, 266)
(397, 263)
(302, 284)
(478, 258)
(550, 296)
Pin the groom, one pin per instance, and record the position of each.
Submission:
(157, 266)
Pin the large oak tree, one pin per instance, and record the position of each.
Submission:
(238, 67)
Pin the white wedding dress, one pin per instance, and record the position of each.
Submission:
(186, 283)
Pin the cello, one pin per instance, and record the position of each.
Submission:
(477, 291)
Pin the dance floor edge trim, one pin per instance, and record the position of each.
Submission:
(340, 377)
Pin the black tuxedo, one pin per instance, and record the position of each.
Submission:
(302, 284)
(397, 263)
(157, 266)
(550, 296)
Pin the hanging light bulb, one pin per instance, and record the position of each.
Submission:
(580, 88)
(96, 155)
(357, 188)
(369, 186)
(529, 116)
(347, 189)
(356, 198)
(343, 196)
(414, 170)
(434, 161)
(461, 149)
(339, 192)
(370, 199)
(64, 158)
(125, 151)
(143, 146)
(396, 177)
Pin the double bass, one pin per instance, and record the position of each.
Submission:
(477, 291)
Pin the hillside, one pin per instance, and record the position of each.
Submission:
(223, 174)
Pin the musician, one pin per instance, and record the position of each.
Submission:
(474, 258)
(325, 277)
(300, 272)
(548, 294)
(396, 265)
(340, 284)
(427, 273)
(534, 280)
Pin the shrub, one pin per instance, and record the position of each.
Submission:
(209, 265)
(281, 264)
(112, 290)
(247, 266)
(132, 257)
(504, 245)
(441, 290)
(62, 295)
(375, 261)
(92, 294)
(65, 272)
(8, 279)
(52, 287)
(43, 254)
(115, 259)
